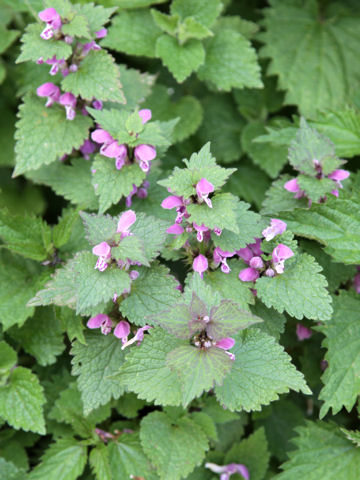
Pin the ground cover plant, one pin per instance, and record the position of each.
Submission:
(180, 240)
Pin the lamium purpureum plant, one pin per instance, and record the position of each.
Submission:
(180, 258)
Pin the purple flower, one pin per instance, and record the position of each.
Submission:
(200, 231)
(302, 332)
(338, 176)
(126, 220)
(97, 104)
(102, 136)
(279, 255)
(89, 46)
(53, 22)
(217, 231)
(226, 344)
(277, 227)
(103, 252)
(133, 275)
(200, 265)
(144, 154)
(138, 337)
(249, 275)
(49, 90)
(220, 256)
(87, 148)
(171, 202)
(122, 331)
(145, 115)
(357, 283)
(203, 189)
(269, 272)
(253, 249)
(293, 187)
(101, 321)
(56, 65)
(69, 102)
(128, 200)
(227, 470)
(101, 34)
(256, 262)
(175, 229)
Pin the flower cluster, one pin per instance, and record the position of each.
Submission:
(142, 154)
(121, 330)
(227, 470)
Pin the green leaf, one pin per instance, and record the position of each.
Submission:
(99, 228)
(73, 182)
(180, 445)
(222, 125)
(254, 451)
(342, 340)
(204, 11)
(41, 336)
(191, 28)
(146, 373)
(250, 226)
(278, 199)
(22, 400)
(300, 290)
(66, 458)
(166, 23)
(27, 235)
(151, 293)
(271, 158)
(206, 423)
(335, 224)
(308, 146)
(7, 37)
(130, 248)
(62, 231)
(152, 231)
(78, 26)
(139, 39)
(96, 15)
(181, 60)
(258, 380)
(8, 358)
(137, 86)
(9, 471)
(113, 184)
(228, 318)
(230, 62)
(127, 457)
(44, 134)
(97, 77)
(94, 364)
(312, 55)
(336, 457)
(34, 47)
(71, 324)
(198, 370)
(223, 213)
(273, 322)
(93, 286)
(315, 188)
(100, 463)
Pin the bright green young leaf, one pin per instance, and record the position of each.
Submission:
(78, 26)
(335, 456)
(181, 445)
(130, 248)
(204, 11)
(8, 358)
(258, 380)
(127, 457)
(151, 293)
(198, 370)
(99, 228)
(166, 23)
(97, 77)
(342, 340)
(300, 291)
(95, 363)
(22, 400)
(44, 134)
(223, 213)
(230, 62)
(62, 231)
(139, 39)
(100, 463)
(181, 60)
(97, 16)
(66, 458)
(312, 54)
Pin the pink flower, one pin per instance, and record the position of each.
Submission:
(172, 202)
(122, 331)
(138, 337)
(253, 249)
(226, 344)
(357, 283)
(145, 115)
(49, 90)
(338, 176)
(126, 220)
(220, 256)
(302, 332)
(101, 34)
(87, 148)
(101, 136)
(249, 275)
(56, 65)
(203, 189)
(200, 265)
(69, 102)
(227, 470)
(53, 22)
(144, 154)
(279, 255)
(277, 227)
(293, 187)
(200, 231)
(97, 104)
(103, 251)
(101, 321)
(175, 229)
(256, 262)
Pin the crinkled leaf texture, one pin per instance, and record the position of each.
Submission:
(322, 451)
(300, 291)
(44, 134)
(94, 364)
(342, 340)
(180, 444)
(261, 371)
